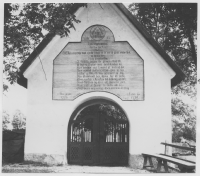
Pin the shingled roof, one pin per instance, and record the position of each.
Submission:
(174, 81)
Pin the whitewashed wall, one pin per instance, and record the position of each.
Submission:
(150, 120)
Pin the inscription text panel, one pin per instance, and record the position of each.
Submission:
(98, 63)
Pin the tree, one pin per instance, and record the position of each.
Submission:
(174, 27)
(183, 121)
(25, 26)
(5, 120)
(112, 111)
(19, 120)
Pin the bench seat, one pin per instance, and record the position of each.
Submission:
(184, 166)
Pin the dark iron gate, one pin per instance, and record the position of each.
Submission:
(99, 136)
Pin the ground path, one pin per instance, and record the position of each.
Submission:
(39, 168)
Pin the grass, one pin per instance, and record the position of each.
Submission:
(26, 167)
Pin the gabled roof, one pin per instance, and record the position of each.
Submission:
(175, 80)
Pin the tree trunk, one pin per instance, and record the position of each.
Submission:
(194, 55)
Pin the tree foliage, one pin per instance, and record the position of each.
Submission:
(19, 120)
(113, 111)
(25, 26)
(174, 27)
(5, 120)
(183, 120)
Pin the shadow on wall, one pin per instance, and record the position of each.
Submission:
(13, 146)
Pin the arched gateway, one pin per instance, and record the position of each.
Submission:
(98, 134)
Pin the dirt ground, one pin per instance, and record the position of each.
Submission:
(42, 168)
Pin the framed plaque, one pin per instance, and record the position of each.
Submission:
(98, 64)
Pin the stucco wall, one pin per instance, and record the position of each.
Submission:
(150, 120)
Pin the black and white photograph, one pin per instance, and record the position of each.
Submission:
(99, 87)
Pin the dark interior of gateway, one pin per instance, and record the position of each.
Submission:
(99, 135)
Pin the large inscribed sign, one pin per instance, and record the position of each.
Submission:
(100, 64)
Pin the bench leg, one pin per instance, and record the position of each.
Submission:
(160, 164)
(185, 170)
(145, 162)
(190, 171)
(150, 161)
(146, 159)
(165, 166)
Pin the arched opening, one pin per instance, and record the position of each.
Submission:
(98, 134)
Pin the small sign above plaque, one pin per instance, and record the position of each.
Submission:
(99, 64)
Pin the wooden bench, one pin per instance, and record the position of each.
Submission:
(163, 160)
(192, 148)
